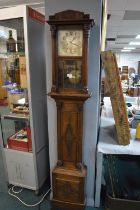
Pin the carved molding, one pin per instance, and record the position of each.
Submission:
(83, 96)
(79, 166)
(71, 17)
(59, 104)
(86, 30)
(80, 107)
(53, 30)
(59, 163)
(53, 89)
(69, 14)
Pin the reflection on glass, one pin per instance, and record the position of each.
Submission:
(70, 73)
(14, 107)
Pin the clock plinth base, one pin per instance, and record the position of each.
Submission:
(59, 205)
(68, 189)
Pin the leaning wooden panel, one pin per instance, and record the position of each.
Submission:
(117, 100)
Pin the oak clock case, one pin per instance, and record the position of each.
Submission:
(70, 34)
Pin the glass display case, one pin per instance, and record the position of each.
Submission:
(22, 94)
(14, 104)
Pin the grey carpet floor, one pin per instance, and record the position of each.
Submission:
(8, 202)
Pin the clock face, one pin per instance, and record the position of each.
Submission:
(70, 42)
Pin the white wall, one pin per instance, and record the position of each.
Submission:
(91, 110)
(128, 59)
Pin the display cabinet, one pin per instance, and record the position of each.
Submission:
(23, 133)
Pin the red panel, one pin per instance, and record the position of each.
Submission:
(19, 144)
(36, 15)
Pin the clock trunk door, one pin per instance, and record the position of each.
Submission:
(69, 73)
(70, 120)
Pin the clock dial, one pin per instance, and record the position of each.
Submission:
(70, 42)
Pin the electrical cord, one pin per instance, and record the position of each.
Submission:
(16, 192)
(26, 204)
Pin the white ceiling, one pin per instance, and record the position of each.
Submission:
(37, 4)
(124, 23)
(122, 30)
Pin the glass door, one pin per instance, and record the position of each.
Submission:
(14, 106)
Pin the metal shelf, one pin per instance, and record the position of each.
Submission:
(14, 116)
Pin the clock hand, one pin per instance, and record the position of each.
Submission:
(74, 44)
(73, 39)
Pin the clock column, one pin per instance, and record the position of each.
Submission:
(85, 53)
(70, 91)
(54, 77)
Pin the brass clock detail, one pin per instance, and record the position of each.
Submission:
(70, 35)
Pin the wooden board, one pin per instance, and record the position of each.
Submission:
(3, 91)
(116, 95)
(23, 75)
(121, 204)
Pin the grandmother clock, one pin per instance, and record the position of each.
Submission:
(70, 34)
